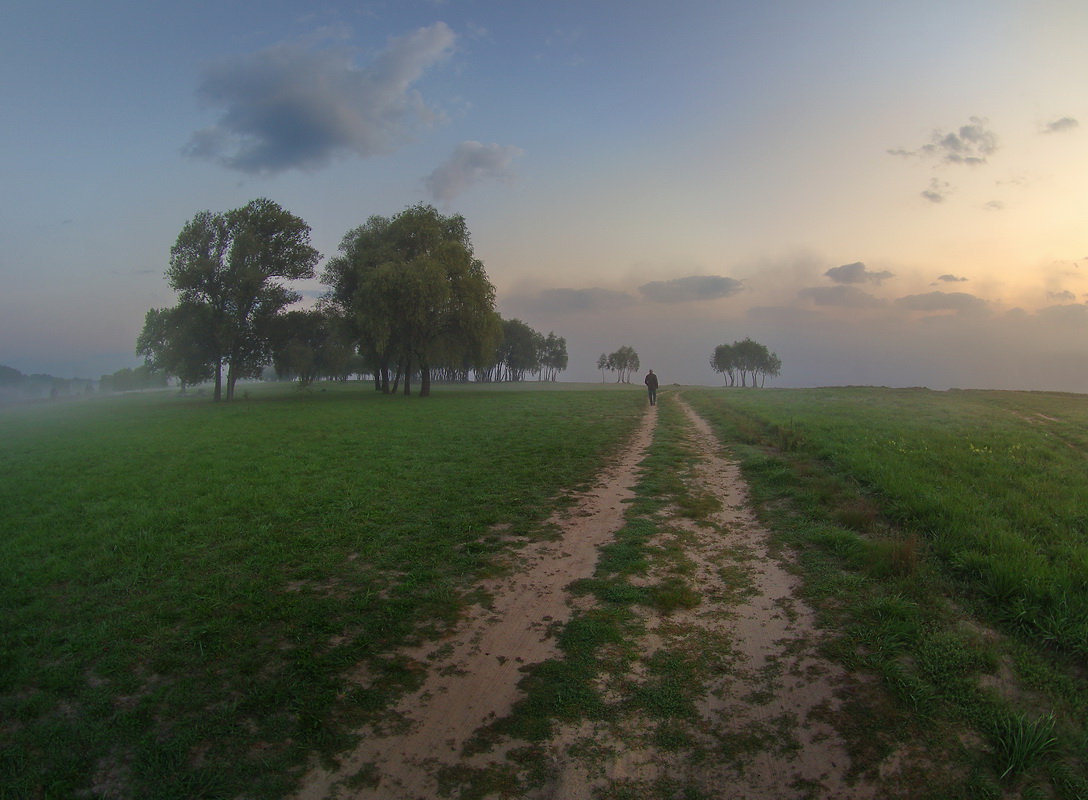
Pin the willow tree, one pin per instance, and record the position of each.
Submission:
(415, 293)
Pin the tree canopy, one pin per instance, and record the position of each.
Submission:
(414, 295)
(624, 362)
(745, 359)
(228, 270)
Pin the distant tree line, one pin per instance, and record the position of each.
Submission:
(16, 386)
(407, 299)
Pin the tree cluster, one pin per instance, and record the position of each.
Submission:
(624, 362)
(744, 360)
(413, 296)
(407, 297)
(522, 351)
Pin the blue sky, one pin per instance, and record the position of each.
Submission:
(887, 193)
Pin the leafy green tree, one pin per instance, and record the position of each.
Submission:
(724, 362)
(604, 364)
(624, 362)
(233, 266)
(415, 294)
(180, 341)
(310, 345)
(553, 357)
(745, 359)
(517, 351)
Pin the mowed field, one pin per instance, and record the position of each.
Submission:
(187, 588)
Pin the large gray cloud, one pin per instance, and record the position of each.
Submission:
(293, 106)
(471, 163)
(842, 296)
(857, 273)
(941, 301)
(972, 144)
(694, 287)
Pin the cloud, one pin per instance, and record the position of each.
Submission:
(292, 106)
(994, 205)
(1061, 296)
(951, 279)
(941, 301)
(1059, 125)
(937, 191)
(566, 300)
(471, 163)
(1073, 315)
(972, 144)
(841, 296)
(694, 287)
(857, 273)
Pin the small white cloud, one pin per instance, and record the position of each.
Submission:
(937, 191)
(1059, 125)
(469, 164)
(972, 144)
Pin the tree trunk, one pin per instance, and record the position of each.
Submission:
(218, 380)
(424, 378)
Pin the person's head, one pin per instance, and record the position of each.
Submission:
(651, 372)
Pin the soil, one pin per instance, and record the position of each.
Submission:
(765, 697)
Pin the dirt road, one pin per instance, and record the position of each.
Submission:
(765, 687)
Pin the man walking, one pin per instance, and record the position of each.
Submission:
(651, 387)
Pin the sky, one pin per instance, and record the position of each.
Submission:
(883, 193)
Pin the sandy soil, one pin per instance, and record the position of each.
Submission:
(762, 704)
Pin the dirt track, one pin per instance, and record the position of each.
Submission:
(759, 709)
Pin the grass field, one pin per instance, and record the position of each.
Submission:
(943, 537)
(186, 587)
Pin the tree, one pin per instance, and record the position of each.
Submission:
(517, 351)
(604, 364)
(179, 341)
(746, 358)
(724, 362)
(415, 294)
(624, 362)
(553, 356)
(231, 266)
(310, 345)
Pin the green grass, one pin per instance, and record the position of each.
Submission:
(186, 586)
(943, 538)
